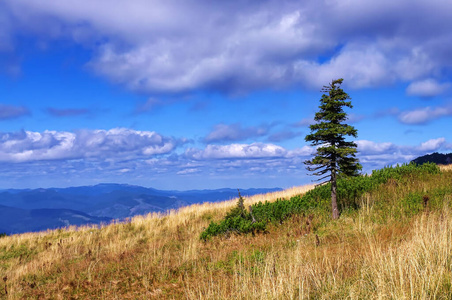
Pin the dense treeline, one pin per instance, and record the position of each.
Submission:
(437, 158)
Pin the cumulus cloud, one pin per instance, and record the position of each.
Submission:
(304, 151)
(254, 151)
(366, 147)
(235, 132)
(12, 112)
(427, 88)
(424, 115)
(118, 143)
(380, 154)
(432, 145)
(260, 158)
(370, 147)
(376, 155)
(249, 151)
(177, 46)
(143, 157)
(348, 64)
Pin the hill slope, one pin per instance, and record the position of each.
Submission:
(95, 204)
(437, 158)
(391, 246)
(14, 220)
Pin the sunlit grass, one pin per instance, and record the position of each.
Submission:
(377, 252)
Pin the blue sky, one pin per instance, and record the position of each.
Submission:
(206, 94)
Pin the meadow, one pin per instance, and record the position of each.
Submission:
(392, 241)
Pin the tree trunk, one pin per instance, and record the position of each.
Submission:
(334, 195)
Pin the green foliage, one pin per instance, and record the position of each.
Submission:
(412, 203)
(239, 210)
(17, 251)
(238, 220)
(349, 189)
(335, 154)
(2, 234)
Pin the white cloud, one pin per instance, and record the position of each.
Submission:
(424, 115)
(255, 150)
(28, 146)
(304, 151)
(366, 147)
(188, 171)
(427, 88)
(176, 45)
(376, 155)
(432, 145)
(268, 158)
(348, 64)
(121, 155)
(370, 147)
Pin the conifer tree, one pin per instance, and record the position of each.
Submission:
(334, 155)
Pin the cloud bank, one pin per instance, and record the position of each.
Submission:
(118, 143)
(181, 46)
(376, 155)
(137, 157)
(129, 145)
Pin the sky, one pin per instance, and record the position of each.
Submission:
(197, 94)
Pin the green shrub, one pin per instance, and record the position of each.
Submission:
(349, 191)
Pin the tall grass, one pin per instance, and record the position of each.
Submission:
(392, 247)
(349, 191)
(415, 263)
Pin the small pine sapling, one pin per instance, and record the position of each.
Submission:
(239, 210)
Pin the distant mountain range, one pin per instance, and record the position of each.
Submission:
(24, 210)
(437, 158)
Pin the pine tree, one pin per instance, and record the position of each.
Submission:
(334, 155)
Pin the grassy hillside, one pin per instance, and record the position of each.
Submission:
(388, 246)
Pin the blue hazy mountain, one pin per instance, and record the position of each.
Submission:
(40, 209)
(17, 220)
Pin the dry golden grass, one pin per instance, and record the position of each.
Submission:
(418, 266)
(363, 255)
(446, 168)
(222, 207)
(89, 248)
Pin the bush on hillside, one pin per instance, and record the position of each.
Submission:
(349, 189)
(238, 220)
